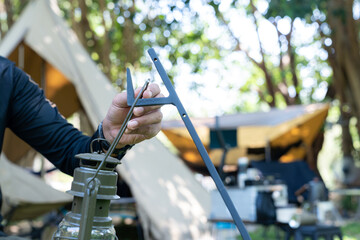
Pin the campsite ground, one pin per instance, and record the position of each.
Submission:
(350, 231)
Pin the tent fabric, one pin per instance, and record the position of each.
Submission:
(42, 29)
(170, 201)
(57, 87)
(276, 128)
(172, 195)
(29, 194)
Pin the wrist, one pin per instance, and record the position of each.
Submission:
(118, 152)
(104, 129)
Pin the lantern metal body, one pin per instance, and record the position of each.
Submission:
(93, 187)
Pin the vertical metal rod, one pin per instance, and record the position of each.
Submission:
(174, 99)
(208, 163)
(88, 208)
(21, 56)
(215, 176)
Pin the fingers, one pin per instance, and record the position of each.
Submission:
(142, 128)
(141, 111)
(120, 100)
(153, 90)
(145, 132)
(145, 123)
(150, 118)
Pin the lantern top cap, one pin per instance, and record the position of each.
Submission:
(93, 160)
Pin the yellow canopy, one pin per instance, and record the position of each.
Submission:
(292, 129)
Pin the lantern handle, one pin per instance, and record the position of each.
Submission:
(88, 208)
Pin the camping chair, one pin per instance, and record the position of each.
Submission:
(27, 197)
(294, 175)
(222, 144)
(224, 140)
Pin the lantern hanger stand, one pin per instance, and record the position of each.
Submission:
(174, 100)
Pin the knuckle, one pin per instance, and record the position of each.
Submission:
(160, 116)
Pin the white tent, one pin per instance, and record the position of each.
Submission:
(26, 196)
(171, 203)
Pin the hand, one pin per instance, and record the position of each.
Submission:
(144, 124)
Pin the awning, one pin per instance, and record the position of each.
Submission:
(291, 130)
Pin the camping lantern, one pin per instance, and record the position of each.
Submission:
(93, 187)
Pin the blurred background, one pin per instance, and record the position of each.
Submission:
(235, 57)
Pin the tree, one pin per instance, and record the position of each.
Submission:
(338, 30)
(342, 45)
(101, 26)
(281, 65)
(11, 10)
(117, 34)
(282, 80)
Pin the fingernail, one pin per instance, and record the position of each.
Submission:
(138, 110)
(132, 124)
(150, 93)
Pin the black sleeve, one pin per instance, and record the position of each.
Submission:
(37, 121)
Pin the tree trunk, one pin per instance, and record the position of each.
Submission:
(130, 48)
(344, 58)
(347, 142)
(9, 13)
(75, 24)
(346, 52)
(105, 51)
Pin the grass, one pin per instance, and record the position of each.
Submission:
(350, 231)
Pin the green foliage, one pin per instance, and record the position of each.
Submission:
(349, 230)
(349, 203)
(271, 233)
(11, 14)
(129, 28)
(294, 8)
(190, 46)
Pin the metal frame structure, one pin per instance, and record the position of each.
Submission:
(174, 100)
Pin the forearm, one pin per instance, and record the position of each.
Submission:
(37, 121)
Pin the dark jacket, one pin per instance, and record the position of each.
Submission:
(25, 110)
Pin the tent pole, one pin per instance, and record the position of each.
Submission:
(225, 147)
(43, 86)
(21, 56)
(42, 76)
(268, 151)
